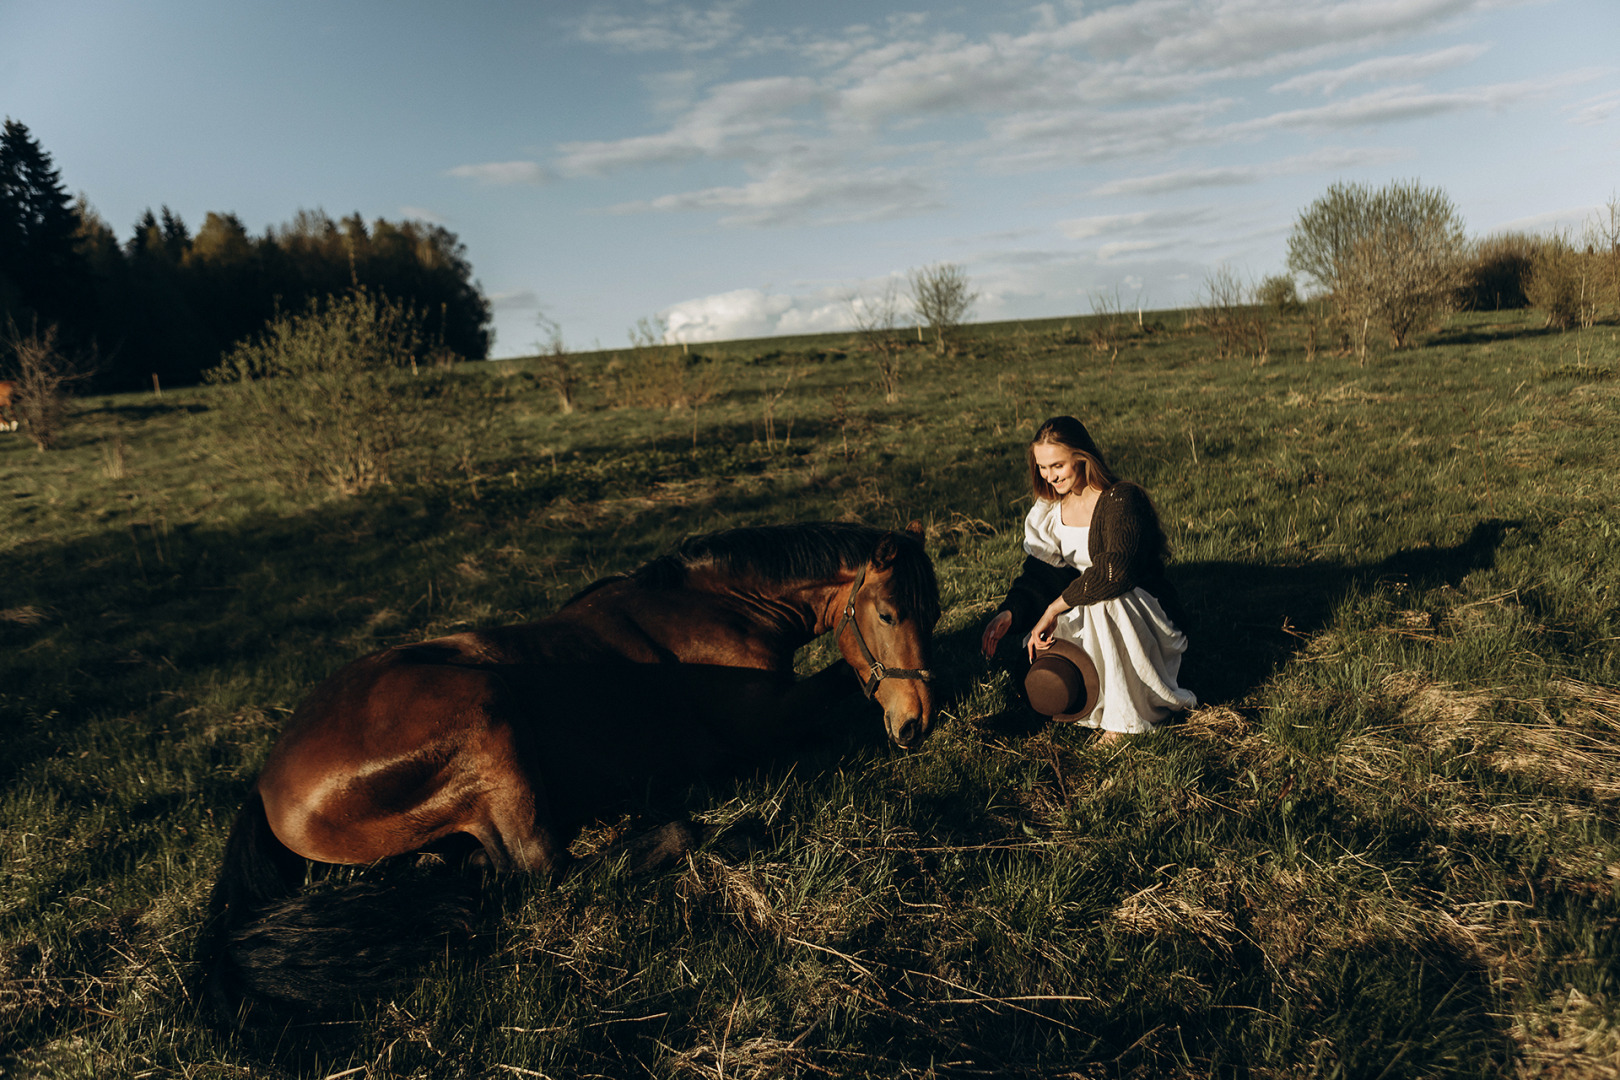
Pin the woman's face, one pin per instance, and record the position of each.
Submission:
(1060, 468)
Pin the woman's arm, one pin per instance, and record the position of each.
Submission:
(1126, 548)
(1034, 587)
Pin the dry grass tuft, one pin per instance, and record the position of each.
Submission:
(26, 615)
(1217, 724)
(736, 893)
(1178, 907)
(1437, 712)
(1572, 1037)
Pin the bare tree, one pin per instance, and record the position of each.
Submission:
(941, 299)
(876, 320)
(556, 371)
(1394, 256)
(1603, 239)
(1233, 314)
(43, 375)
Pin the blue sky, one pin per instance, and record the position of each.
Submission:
(743, 168)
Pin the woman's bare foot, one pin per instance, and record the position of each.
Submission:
(1110, 736)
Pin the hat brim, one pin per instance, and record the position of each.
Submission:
(1089, 686)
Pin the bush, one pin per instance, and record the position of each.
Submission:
(1497, 271)
(1224, 308)
(1392, 256)
(1564, 282)
(330, 395)
(42, 374)
(1279, 293)
(656, 375)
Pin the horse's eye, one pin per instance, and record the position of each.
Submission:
(888, 620)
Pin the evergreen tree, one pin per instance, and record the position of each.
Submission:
(40, 270)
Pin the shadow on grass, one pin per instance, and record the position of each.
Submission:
(1490, 334)
(1249, 619)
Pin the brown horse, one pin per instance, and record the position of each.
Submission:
(9, 392)
(520, 735)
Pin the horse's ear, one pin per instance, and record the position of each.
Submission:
(884, 554)
(915, 528)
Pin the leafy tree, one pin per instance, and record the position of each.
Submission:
(941, 299)
(1394, 255)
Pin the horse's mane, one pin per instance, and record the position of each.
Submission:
(808, 551)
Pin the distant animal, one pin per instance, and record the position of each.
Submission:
(518, 736)
(9, 393)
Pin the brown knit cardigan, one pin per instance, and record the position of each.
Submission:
(1127, 549)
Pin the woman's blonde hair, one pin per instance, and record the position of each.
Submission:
(1071, 435)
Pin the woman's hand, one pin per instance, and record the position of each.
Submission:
(1041, 637)
(994, 631)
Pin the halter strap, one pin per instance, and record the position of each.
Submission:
(876, 670)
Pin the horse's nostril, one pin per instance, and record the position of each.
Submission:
(907, 735)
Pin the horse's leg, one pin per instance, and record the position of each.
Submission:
(390, 756)
(512, 819)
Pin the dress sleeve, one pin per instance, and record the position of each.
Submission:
(1122, 528)
(1040, 537)
(1043, 575)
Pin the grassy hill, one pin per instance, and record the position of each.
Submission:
(1386, 845)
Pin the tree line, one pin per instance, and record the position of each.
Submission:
(169, 303)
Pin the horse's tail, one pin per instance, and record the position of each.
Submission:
(271, 952)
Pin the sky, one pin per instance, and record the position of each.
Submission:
(742, 169)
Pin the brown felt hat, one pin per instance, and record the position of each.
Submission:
(1062, 682)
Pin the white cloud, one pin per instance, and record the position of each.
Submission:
(515, 300)
(1594, 110)
(1152, 220)
(871, 122)
(741, 313)
(421, 213)
(503, 173)
(727, 123)
(665, 27)
(1406, 103)
(1571, 218)
(746, 313)
(1234, 175)
(1382, 69)
(792, 196)
(1111, 251)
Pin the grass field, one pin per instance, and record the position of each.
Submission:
(1385, 846)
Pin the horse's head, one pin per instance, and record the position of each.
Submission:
(887, 633)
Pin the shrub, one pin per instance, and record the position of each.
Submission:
(1564, 282)
(327, 396)
(1391, 256)
(1279, 293)
(1496, 272)
(556, 371)
(656, 375)
(941, 300)
(1224, 308)
(43, 374)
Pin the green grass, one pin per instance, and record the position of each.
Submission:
(1386, 845)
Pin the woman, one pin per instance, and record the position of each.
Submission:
(1093, 580)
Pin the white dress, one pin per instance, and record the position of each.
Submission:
(1136, 648)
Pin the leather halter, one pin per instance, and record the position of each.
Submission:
(876, 670)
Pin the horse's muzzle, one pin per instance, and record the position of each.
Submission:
(909, 735)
